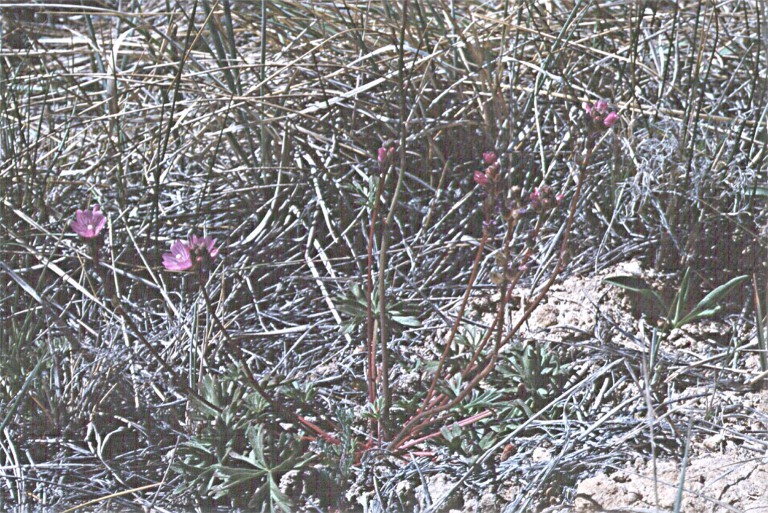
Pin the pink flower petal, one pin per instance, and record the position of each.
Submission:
(100, 224)
(212, 249)
(179, 248)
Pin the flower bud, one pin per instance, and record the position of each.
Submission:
(489, 157)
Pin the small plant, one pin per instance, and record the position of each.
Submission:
(535, 374)
(238, 452)
(354, 305)
(676, 316)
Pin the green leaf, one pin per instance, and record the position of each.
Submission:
(701, 315)
(680, 298)
(405, 320)
(277, 498)
(447, 433)
(704, 307)
(638, 285)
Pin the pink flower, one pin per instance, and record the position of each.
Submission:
(382, 154)
(543, 198)
(190, 255)
(88, 223)
(611, 119)
(200, 244)
(489, 157)
(480, 178)
(179, 259)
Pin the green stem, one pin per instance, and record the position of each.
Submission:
(383, 321)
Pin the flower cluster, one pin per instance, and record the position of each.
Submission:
(482, 177)
(600, 115)
(543, 199)
(88, 223)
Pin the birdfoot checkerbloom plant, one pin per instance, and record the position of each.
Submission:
(194, 254)
(88, 223)
(516, 212)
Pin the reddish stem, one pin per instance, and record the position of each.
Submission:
(459, 317)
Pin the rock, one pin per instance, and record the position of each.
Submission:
(290, 481)
(437, 486)
(545, 316)
(509, 490)
(488, 504)
(407, 383)
(540, 454)
(713, 442)
(597, 493)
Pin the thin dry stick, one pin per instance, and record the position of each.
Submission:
(235, 354)
(120, 311)
(112, 496)
(459, 317)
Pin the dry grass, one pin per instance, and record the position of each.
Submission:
(198, 116)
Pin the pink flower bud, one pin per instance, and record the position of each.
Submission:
(611, 119)
(489, 157)
(382, 154)
(480, 178)
(587, 108)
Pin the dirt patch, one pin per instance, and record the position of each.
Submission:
(713, 483)
(574, 305)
